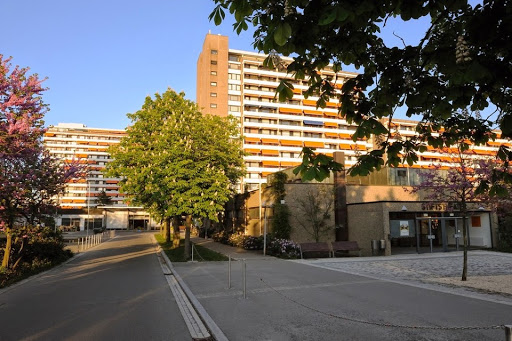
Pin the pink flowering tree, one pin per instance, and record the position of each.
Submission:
(458, 184)
(30, 179)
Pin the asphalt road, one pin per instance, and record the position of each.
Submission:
(115, 291)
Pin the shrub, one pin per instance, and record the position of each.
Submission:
(253, 243)
(34, 249)
(221, 237)
(283, 248)
(237, 239)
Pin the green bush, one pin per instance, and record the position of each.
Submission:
(34, 249)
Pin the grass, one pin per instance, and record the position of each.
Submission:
(201, 254)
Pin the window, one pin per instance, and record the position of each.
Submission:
(213, 94)
(234, 98)
(234, 66)
(213, 105)
(213, 83)
(214, 52)
(235, 87)
(233, 58)
(476, 221)
(234, 108)
(213, 73)
(234, 76)
(213, 62)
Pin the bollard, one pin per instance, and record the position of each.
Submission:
(245, 279)
(192, 252)
(508, 332)
(229, 272)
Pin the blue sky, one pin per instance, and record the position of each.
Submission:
(102, 58)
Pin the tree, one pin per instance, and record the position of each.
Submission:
(174, 161)
(281, 227)
(456, 185)
(103, 199)
(30, 178)
(462, 62)
(315, 207)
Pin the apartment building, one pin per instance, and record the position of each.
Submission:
(233, 82)
(75, 142)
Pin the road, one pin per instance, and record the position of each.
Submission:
(115, 291)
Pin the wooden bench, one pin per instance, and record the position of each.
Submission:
(345, 247)
(314, 247)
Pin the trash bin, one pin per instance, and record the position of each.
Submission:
(382, 244)
(375, 247)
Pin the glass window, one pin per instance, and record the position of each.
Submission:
(213, 105)
(213, 62)
(213, 94)
(213, 83)
(213, 73)
(214, 52)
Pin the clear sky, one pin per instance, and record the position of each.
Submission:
(103, 57)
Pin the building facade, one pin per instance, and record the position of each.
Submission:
(79, 205)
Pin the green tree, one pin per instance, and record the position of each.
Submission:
(462, 62)
(281, 227)
(175, 161)
(103, 199)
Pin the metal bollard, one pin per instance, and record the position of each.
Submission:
(245, 279)
(192, 252)
(508, 332)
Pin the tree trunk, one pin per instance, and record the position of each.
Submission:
(465, 239)
(167, 227)
(188, 223)
(176, 231)
(7, 249)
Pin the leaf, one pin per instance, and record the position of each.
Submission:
(217, 15)
(282, 33)
(327, 18)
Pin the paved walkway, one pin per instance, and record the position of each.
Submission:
(383, 298)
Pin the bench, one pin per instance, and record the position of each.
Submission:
(345, 247)
(314, 247)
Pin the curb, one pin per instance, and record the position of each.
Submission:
(205, 317)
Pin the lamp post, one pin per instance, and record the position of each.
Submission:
(88, 205)
(265, 229)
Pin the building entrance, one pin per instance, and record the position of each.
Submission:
(438, 233)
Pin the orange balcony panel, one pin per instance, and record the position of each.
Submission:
(331, 114)
(290, 110)
(484, 152)
(269, 152)
(254, 151)
(289, 164)
(359, 147)
(266, 173)
(66, 200)
(79, 201)
(313, 112)
(112, 181)
(270, 141)
(49, 134)
(270, 163)
(345, 146)
(309, 102)
(297, 91)
(313, 144)
(338, 85)
(291, 143)
(112, 194)
(252, 140)
(493, 143)
(331, 124)
(335, 135)
(332, 104)
(329, 154)
(345, 136)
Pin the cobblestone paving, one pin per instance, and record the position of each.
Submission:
(422, 267)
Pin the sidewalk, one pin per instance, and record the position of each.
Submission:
(325, 299)
(236, 253)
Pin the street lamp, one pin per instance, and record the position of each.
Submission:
(88, 205)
